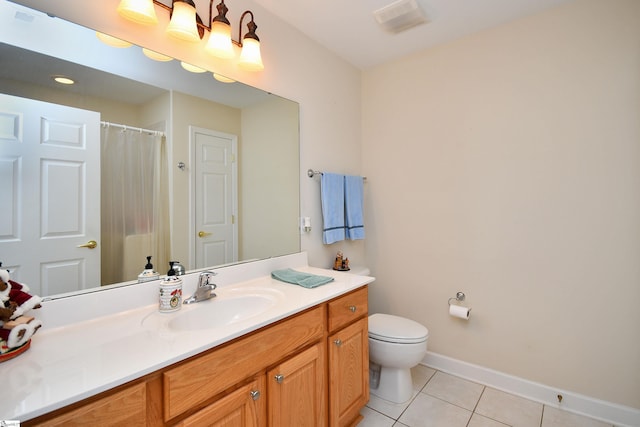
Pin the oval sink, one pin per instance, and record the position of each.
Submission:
(228, 307)
(221, 312)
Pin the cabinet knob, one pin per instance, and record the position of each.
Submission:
(279, 378)
(352, 308)
(255, 394)
(338, 342)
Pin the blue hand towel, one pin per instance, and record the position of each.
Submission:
(332, 197)
(354, 201)
(306, 280)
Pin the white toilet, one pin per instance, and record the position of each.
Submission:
(396, 345)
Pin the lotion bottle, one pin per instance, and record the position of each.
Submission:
(170, 292)
(148, 274)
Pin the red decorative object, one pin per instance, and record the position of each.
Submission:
(15, 352)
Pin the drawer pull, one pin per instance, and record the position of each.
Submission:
(352, 308)
(338, 342)
(255, 394)
(279, 378)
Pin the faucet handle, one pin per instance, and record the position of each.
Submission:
(205, 276)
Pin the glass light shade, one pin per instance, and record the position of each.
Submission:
(219, 44)
(222, 78)
(250, 58)
(138, 11)
(183, 24)
(192, 68)
(155, 55)
(112, 41)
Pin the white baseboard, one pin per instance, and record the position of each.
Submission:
(619, 415)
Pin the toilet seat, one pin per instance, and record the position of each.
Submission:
(395, 329)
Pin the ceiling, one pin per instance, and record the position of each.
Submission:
(348, 27)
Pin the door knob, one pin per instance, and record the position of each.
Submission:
(338, 342)
(255, 394)
(279, 378)
(352, 308)
(91, 244)
(203, 234)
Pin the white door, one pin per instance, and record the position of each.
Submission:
(215, 201)
(50, 192)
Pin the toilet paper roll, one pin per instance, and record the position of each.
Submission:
(459, 311)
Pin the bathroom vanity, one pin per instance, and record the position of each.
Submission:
(301, 360)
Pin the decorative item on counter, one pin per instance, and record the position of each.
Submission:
(16, 329)
(341, 263)
(148, 274)
(170, 291)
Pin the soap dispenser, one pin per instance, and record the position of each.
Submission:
(148, 274)
(170, 292)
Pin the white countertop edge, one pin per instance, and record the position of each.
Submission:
(58, 370)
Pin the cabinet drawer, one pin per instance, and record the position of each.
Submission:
(347, 308)
(125, 407)
(195, 382)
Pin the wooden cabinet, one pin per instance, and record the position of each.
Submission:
(296, 390)
(348, 354)
(280, 375)
(196, 381)
(244, 407)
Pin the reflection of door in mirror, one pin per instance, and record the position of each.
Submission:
(215, 198)
(50, 201)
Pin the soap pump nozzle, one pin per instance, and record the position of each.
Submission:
(148, 274)
(171, 271)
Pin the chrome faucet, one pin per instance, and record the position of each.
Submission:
(203, 291)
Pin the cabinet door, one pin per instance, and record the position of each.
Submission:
(244, 407)
(348, 373)
(297, 391)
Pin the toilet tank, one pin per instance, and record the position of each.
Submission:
(360, 270)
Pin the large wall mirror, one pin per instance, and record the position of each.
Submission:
(183, 168)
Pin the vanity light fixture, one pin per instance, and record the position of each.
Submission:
(138, 11)
(185, 24)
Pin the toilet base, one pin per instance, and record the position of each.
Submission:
(395, 385)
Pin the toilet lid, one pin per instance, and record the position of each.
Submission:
(389, 328)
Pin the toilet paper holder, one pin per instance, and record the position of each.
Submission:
(459, 297)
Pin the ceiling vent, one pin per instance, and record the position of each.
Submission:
(400, 16)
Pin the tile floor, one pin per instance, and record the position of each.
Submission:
(443, 400)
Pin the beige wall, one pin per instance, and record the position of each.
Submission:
(111, 111)
(267, 179)
(507, 165)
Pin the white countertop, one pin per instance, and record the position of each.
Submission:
(81, 354)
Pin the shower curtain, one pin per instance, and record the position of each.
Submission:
(134, 203)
